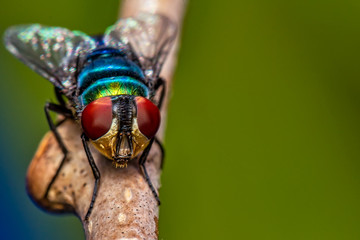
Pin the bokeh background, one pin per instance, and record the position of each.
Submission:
(263, 137)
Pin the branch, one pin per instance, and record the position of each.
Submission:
(125, 208)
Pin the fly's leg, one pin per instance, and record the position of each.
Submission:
(160, 82)
(59, 97)
(96, 174)
(67, 114)
(162, 150)
(142, 161)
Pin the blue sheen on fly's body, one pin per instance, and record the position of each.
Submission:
(104, 52)
(107, 72)
(107, 66)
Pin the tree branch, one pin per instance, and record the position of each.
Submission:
(125, 207)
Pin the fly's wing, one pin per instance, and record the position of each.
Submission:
(148, 36)
(53, 52)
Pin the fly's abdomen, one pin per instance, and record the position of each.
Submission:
(109, 74)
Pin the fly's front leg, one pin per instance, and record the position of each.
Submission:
(142, 161)
(96, 173)
(160, 82)
(67, 114)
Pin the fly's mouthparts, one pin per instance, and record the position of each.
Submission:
(120, 162)
(124, 148)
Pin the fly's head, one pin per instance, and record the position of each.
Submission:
(120, 127)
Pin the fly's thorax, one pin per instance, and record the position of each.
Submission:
(107, 72)
(120, 127)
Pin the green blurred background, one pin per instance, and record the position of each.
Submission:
(263, 137)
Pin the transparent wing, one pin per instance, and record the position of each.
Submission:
(148, 36)
(52, 52)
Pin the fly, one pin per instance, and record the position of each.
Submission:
(110, 83)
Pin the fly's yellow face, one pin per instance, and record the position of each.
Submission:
(120, 147)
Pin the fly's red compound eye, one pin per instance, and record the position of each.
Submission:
(96, 118)
(148, 117)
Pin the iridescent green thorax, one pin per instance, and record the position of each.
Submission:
(112, 87)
